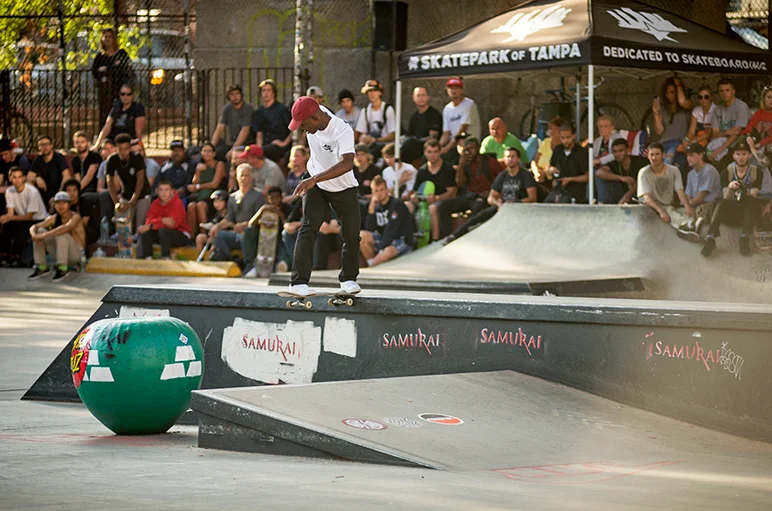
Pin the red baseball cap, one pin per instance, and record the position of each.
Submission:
(252, 150)
(454, 82)
(303, 108)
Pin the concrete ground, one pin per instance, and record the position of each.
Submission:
(55, 456)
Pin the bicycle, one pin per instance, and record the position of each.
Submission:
(563, 104)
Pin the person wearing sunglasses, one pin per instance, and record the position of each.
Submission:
(702, 119)
(759, 128)
(127, 116)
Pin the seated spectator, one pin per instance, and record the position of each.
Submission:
(376, 124)
(364, 170)
(297, 168)
(700, 126)
(9, 159)
(85, 164)
(233, 128)
(499, 140)
(349, 112)
(658, 186)
(87, 210)
(514, 185)
(176, 169)
(127, 116)
(133, 191)
(389, 227)
(49, 170)
(152, 168)
(439, 172)
(617, 181)
(703, 189)
(316, 93)
(459, 116)
(426, 121)
(208, 176)
(271, 123)
(249, 243)
(219, 200)
(166, 223)
(601, 148)
(404, 178)
(62, 235)
(24, 206)
(570, 168)
(729, 120)
(229, 233)
(105, 199)
(740, 204)
(540, 164)
(265, 172)
(759, 128)
(671, 115)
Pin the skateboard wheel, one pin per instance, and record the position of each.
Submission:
(308, 305)
(349, 301)
(330, 301)
(289, 304)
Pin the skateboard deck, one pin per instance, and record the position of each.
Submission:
(340, 298)
(122, 220)
(296, 300)
(423, 218)
(266, 244)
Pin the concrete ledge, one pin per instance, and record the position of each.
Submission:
(168, 268)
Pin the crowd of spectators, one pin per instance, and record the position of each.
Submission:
(703, 164)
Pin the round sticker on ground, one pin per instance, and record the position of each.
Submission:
(402, 422)
(364, 424)
(441, 418)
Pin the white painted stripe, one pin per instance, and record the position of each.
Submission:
(102, 374)
(194, 369)
(172, 371)
(93, 357)
(85, 375)
(184, 353)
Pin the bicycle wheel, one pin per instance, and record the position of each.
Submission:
(645, 120)
(528, 123)
(622, 117)
(20, 129)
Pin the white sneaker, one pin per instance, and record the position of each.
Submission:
(251, 274)
(302, 290)
(350, 287)
(207, 226)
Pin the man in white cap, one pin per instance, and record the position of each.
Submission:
(62, 235)
(459, 116)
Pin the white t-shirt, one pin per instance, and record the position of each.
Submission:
(28, 201)
(372, 120)
(352, 118)
(391, 177)
(327, 148)
(706, 119)
(453, 116)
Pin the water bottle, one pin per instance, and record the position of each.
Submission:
(104, 228)
(83, 260)
(573, 200)
(98, 252)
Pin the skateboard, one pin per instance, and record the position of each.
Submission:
(762, 234)
(340, 298)
(266, 244)
(423, 218)
(296, 300)
(122, 219)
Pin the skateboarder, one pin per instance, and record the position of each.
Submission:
(331, 184)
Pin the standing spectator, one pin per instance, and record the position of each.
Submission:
(111, 69)
(128, 167)
(658, 186)
(729, 120)
(671, 118)
(349, 112)
(459, 116)
(601, 148)
(403, 178)
(208, 177)
(297, 169)
(61, 235)
(514, 185)
(441, 173)
(242, 206)
(426, 121)
(87, 210)
(127, 116)
(233, 128)
(700, 127)
(49, 169)
(376, 124)
(270, 122)
(499, 139)
(389, 227)
(265, 173)
(316, 93)
(541, 161)
(759, 128)
(165, 223)
(9, 159)
(176, 169)
(617, 182)
(569, 162)
(703, 189)
(85, 164)
(24, 206)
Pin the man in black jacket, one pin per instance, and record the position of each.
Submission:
(388, 226)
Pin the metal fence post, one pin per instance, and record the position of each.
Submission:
(188, 74)
(63, 57)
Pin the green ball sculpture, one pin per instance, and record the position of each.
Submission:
(135, 375)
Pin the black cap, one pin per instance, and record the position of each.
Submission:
(219, 194)
(345, 93)
(741, 145)
(5, 144)
(695, 148)
(177, 143)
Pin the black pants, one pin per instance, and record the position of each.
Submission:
(475, 220)
(168, 238)
(744, 212)
(13, 236)
(316, 204)
(457, 205)
(274, 152)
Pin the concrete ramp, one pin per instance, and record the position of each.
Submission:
(517, 425)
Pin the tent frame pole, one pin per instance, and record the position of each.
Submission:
(590, 124)
(578, 114)
(397, 135)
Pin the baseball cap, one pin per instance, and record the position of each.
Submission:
(695, 148)
(454, 82)
(5, 144)
(234, 86)
(61, 196)
(302, 109)
(371, 85)
(267, 81)
(741, 145)
(176, 143)
(219, 194)
(314, 90)
(252, 150)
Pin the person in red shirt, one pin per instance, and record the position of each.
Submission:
(760, 126)
(166, 223)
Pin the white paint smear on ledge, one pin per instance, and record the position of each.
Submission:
(139, 312)
(340, 336)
